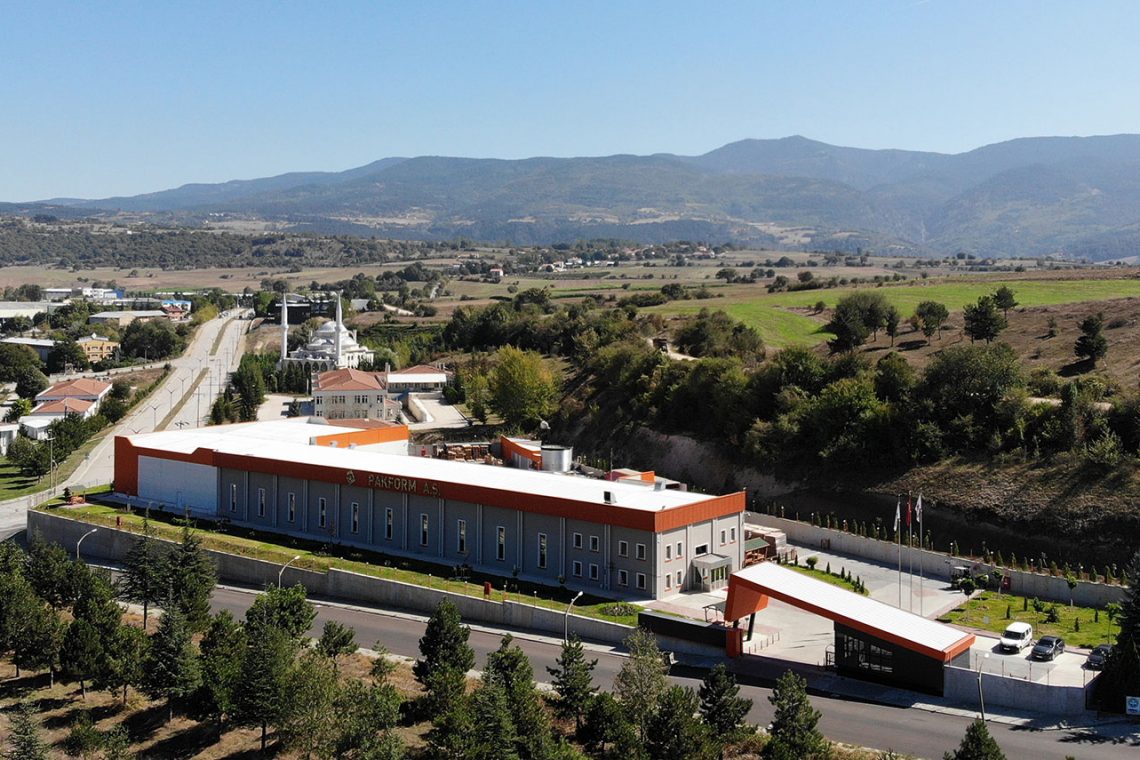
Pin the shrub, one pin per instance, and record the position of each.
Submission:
(812, 562)
(619, 609)
(1052, 615)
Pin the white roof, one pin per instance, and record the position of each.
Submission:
(41, 421)
(418, 377)
(849, 608)
(287, 441)
(136, 314)
(38, 342)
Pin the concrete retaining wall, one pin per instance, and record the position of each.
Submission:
(937, 564)
(112, 545)
(961, 685)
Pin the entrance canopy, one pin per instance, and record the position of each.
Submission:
(749, 589)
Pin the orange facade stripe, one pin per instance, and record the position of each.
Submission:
(365, 437)
(510, 447)
(678, 517)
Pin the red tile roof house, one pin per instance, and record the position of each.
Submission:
(83, 388)
(353, 394)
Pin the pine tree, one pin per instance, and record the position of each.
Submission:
(260, 698)
(25, 740)
(39, 639)
(445, 657)
(793, 734)
(452, 730)
(309, 721)
(51, 573)
(573, 681)
(722, 709)
(146, 571)
(509, 668)
(172, 668)
(190, 581)
(674, 730)
(367, 717)
(95, 602)
(977, 744)
(1004, 300)
(336, 640)
(81, 655)
(286, 609)
(126, 660)
(1092, 345)
(494, 736)
(222, 651)
(641, 680)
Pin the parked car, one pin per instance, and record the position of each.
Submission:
(1048, 648)
(1097, 656)
(1017, 636)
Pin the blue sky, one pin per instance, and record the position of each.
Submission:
(114, 98)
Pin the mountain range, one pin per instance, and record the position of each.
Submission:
(1068, 196)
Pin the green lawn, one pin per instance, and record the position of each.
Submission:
(13, 484)
(319, 557)
(987, 611)
(778, 327)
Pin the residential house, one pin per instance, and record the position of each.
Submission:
(97, 348)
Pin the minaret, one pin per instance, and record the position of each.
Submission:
(339, 327)
(284, 328)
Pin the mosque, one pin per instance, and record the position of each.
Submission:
(333, 346)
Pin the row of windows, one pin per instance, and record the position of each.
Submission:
(500, 537)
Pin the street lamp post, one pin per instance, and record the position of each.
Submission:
(281, 572)
(566, 618)
(981, 697)
(80, 541)
(51, 462)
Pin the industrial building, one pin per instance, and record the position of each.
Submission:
(343, 482)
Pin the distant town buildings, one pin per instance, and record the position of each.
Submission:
(81, 396)
(342, 394)
(333, 346)
(42, 347)
(124, 318)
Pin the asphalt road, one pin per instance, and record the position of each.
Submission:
(199, 357)
(913, 732)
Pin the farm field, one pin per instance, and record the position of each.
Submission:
(781, 320)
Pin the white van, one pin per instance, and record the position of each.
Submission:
(1017, 636)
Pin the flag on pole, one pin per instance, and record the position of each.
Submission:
(898, 508)
(908, 511)
(918, 508)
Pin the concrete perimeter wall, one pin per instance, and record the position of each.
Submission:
(937, 564)
(961, 685)
(113, 545)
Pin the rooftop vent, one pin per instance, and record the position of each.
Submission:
(609, 496)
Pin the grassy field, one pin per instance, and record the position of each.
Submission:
(773, 317)
(317, 557)
(987, 611)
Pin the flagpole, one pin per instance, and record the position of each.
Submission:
(921, 551)
(898, 538)
(910, 556)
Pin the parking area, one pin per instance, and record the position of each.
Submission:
(1067, 669)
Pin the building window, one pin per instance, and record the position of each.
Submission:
(732, 534)
(577, 540)
(261, 502)
(668, 552)
(594, 543)
(423, 529)
(680, 550)
(501, 543)
(668, 580)
(641, 551)
(461, 536)
(623, 548)
(723, 537)
(577, 569)
(292, 513)
(701, 549)
(322, 516)
(354, 517)
(388, 521)
(623, 578)
(593, 572)
(542, 550)
(233, 497)
(641, 581)
(678, 579)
